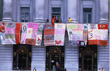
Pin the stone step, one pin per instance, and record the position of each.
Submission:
(6, 56)
(38, 58)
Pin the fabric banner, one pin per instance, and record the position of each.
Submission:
(75, 33)
(2, 27)
(85, 33)
(2, 33)
(39, 35)
(24, 32)
(97, 34)
(17, 33)
(59, 34)
(30, 34)
(12, 33)
(48, 35)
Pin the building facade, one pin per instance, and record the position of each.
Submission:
(72, 58)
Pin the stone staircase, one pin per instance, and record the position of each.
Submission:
(71, 56)
(6, 57)
(103, 57)
(38, 58)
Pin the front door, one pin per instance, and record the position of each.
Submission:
(53, 55)
(53, 59)
(87, 63)
(22, 57)
(88, 58)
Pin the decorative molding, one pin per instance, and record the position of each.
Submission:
(55, 50)
(22, 49)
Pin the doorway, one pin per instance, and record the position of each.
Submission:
(22, 60)
(88, 58)
(21, 57)
(88, 63)
(54, 54)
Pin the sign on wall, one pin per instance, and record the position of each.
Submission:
(97, 34)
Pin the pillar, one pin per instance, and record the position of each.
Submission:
(103, 11)
(7, 10)
(72, 10)
(39, 10)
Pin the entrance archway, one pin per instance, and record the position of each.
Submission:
(21, 57)
(54, 54)
(88, 58)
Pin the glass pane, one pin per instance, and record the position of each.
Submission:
(89, 10)
(84, 18)
(89, 18)
(56, 10)
(25, 14)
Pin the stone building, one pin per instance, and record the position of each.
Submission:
(72, 58)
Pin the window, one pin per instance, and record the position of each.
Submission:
(1, 10)
(56, 12)
(25, 14)
(87, 15)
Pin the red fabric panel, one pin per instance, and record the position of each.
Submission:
(2, 27)
(48, 31)
(102, 26)
(17, 33)
(102, 42)
(92, 42)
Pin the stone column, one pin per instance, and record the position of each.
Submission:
(72, 10)
(7, 10)
(39, 10)
(103, 11)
